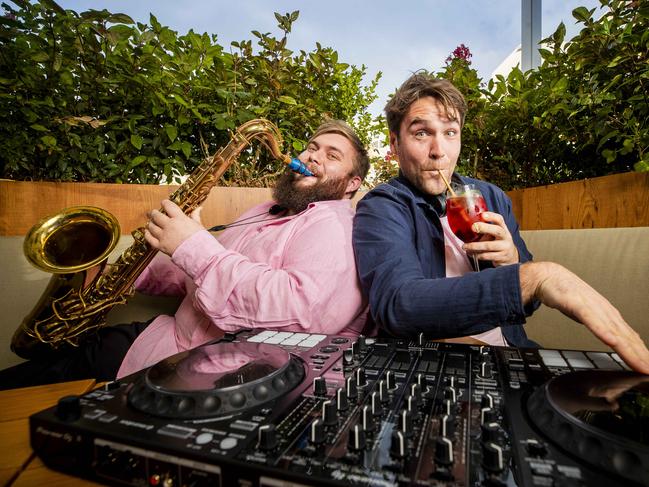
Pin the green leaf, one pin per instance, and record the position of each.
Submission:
(120, 19)
(40, 57)
(179, 99)
(287, 99)
(136, 161)
(298, 145)
(186, 147)
(39, 127)
(582, 14)
(48, 140)
(137, 141)
(172, 132)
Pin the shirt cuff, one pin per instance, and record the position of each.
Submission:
(512, 297)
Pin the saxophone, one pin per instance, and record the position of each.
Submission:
(74, 245)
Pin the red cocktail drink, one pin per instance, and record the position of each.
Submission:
(463, 211)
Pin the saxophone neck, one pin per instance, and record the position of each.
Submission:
(267, 133)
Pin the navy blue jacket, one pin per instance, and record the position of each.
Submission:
(399, 246)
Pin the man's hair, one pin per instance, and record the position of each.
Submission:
(420, 85)
(361, 162)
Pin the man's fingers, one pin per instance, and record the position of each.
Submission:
(491, 217)
(154, 229)
(171, 208)
(158, 218)
(609, 326)
(151, 240)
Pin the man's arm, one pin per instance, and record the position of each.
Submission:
(558, 288)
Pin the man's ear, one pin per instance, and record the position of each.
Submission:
(394, 144)
(353, 184)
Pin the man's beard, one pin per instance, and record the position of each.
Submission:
(296, 199)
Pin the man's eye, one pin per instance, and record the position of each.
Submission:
(334, 156)
(420, 133)
(452, 132)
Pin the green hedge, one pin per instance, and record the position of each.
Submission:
(94, 96)
(583, 113)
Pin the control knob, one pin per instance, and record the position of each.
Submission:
(485, 370)
(319, 386)
(329, 414)
(398, 446)
(348, 357)
(350, 388)
(317, 434)
(415, 392)
(367, 419)
(447, 426)
(488, 415)
(405, 422)
(491, 432)
(383, 391)
(68, 408)
(356, 439)
(443, 451)
(361, 381)
(486, 401)
(450, 394)
(390, 381)
(267, 437)
(341, 400)
(375, 404)
(493, 458)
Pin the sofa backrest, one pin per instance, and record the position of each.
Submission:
(615, 261)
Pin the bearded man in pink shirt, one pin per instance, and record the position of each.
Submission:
(285, 265)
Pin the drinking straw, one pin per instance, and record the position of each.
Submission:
(446, 182)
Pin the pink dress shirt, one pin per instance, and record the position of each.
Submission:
(290, 273)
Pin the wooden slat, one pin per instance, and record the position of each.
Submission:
(620, 200)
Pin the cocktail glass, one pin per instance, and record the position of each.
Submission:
(463, 210)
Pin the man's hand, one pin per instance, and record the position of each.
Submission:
(167, 232)
(557, 287)
(496, 243)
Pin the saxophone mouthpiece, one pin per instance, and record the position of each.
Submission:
(299, 167)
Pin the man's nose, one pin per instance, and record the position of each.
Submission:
(315, 157)
(436, 150)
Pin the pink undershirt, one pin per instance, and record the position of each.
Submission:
(457, 264)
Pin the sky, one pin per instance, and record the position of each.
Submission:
(396, 38)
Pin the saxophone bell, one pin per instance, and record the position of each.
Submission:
(73, 245)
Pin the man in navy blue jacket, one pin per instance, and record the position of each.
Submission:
(406, 252)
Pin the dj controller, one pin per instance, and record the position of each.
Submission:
(293, 409)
